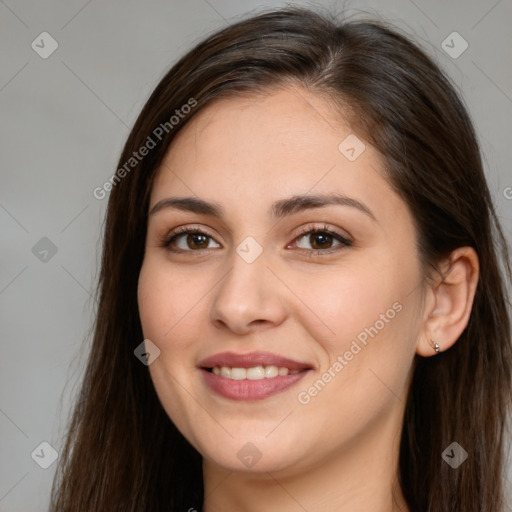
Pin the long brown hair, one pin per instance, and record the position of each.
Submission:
(122, 452)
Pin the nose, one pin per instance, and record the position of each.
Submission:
(249, 297)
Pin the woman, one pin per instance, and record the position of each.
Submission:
(301, 305)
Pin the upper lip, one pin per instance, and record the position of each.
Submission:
(251, 359)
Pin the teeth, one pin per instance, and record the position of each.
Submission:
(238, 373)
(225, 372)
(253, 373)
(271, 371)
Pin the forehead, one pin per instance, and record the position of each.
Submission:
(267, 146)
(278, 126)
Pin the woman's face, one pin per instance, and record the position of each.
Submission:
(279, 348)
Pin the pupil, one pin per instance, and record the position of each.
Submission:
(325, 237)
(194, 238)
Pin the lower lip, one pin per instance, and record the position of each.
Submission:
(250, 390)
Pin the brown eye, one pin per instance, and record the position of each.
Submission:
(196, 241)
(321, 240)
(188, 240)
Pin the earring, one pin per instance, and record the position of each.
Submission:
(435, 346)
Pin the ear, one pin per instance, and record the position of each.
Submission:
(448, 301)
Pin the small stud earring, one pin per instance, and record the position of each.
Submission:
(435, 346)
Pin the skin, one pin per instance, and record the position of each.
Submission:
(340, 450)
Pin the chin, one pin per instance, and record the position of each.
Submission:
(253, 454)
(252, 462)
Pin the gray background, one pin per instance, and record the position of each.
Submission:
(64, 120)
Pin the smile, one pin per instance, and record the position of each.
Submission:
(252, 376)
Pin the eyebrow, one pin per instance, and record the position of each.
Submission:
(279, 209)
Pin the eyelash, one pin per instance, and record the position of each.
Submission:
(344, 242)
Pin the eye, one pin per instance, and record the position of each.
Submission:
(321, 240)
(194, 240)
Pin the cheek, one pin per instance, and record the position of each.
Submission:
(366, 322)
(154, 300)
(343, 303)
(166, 299)
(167, 305)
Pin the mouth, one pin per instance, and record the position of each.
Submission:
(252, 376)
